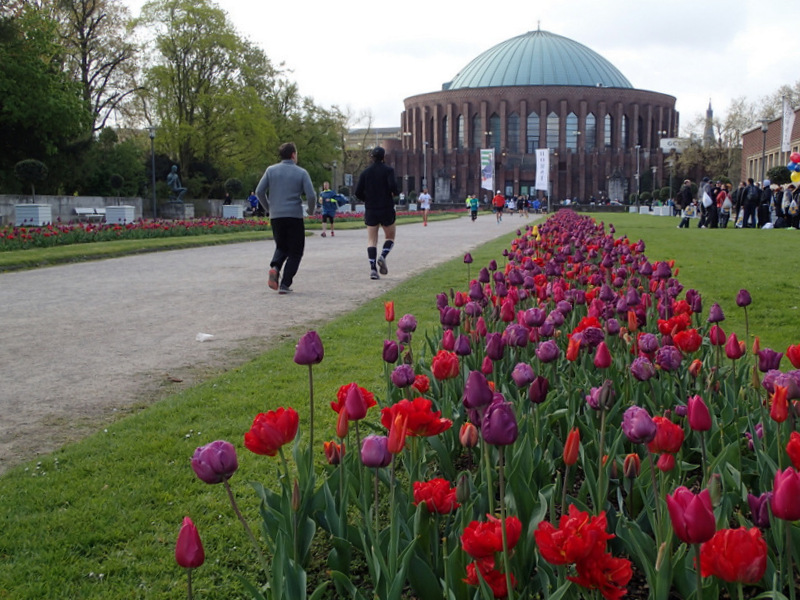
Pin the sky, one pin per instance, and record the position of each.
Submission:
(370, 56)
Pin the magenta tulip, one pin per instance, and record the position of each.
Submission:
(699, 416)
(309, 350)
(692, 515)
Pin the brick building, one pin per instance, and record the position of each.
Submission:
(758, 144)
(537, 90)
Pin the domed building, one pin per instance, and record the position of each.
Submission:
(536, 90)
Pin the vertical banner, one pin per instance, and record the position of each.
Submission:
(788, 124)
(542, 169)
(487, 169)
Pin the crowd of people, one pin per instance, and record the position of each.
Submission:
(752, 204)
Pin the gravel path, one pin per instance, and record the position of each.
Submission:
(84, 343)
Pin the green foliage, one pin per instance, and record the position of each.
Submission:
(30, 171)
(645, 196)
(663, 194)
(780, 175)
(233, 186)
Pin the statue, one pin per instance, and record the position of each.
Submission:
(174, 183)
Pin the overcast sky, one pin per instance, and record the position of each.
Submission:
(372, 55)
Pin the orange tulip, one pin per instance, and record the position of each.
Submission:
(573, 348)
(572, 446)
(397, 434)
(388, 310)
(779, 410)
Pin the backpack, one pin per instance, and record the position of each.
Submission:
(793, 208)
(752, 194)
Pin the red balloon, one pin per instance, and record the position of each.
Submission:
(795, 157)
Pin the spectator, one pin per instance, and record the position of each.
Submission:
(751, 196)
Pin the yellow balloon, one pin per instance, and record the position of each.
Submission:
(795, 176)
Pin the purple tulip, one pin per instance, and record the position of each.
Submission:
(450, 317)
(534, 317)
(612, 326)
(493, 265)
(547, 351)
(547, 329)
(403, 375)
(537, 391)
(403, 336)
(759, 509)
(441, 300)
(483, 275)
(523, 374)
(375, 451)
(309, 350)
(500, 289)
(499, 425)
(476, 291)
(473, 309)
(642, 369)
(681, 410)
(407, 323)
(215, 462)
(601, 398)
(669, 358)
(768, 359)
(564, 307)
(591, 337)
(494, 345)
(715, 314)
(638, 426)
(468, 258)
(648, 343)
(391, 351)
(515, 336)
(743, 298)
(477, 392)
(463, 347)
(662, 271)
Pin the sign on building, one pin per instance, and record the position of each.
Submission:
(677, 144)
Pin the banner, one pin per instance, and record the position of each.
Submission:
(543, 169)
(788, 124)
(487, 169)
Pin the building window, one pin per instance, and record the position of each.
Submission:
(590, 136)
(572, 132)
(477, 132)
(608, 129)
(552, 130)
(494, 132)
(445, 133)
(460, 132)
(533, 133)
(625, 132)
(513, 133)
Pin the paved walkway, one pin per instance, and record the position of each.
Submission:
(82, 343)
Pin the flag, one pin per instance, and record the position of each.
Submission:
(788, 125)
(542, 169)
(487, 169)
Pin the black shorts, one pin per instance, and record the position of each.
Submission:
(498, 209)
(384, 217)
(327, 218)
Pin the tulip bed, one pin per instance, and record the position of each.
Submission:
(576, 425)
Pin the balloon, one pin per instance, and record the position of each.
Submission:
(795, 177)
(795, 157)
(791, 166)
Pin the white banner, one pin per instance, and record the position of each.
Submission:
(543, 169)
(487, 169)
(788, 124)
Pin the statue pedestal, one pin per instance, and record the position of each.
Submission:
(176, 211)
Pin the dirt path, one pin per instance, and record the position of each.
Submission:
(81, 344)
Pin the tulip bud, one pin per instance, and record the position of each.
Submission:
(602, 357)
(661, 556)
(391, 351)
(743, 298)
(397, 434)
(309, 350)
(572, 446)
(468, 435)
(632, 466)
(695, 367)
(388, 310)
(699, 415)
(296, 496)
(463, 489)
(666, 462)
(333, 452)
(189, 551)
(342, 424)
(714, 487)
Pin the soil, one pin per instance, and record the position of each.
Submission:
(86, 343)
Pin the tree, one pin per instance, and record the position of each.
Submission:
(30, 171)
(780, 175)
(99, 54)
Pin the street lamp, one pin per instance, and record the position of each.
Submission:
(335, 185)
(654, 168)
(637, 175)
(425, 164)
(764, 128)
(152, 132)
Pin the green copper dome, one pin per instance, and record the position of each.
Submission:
(538, 58)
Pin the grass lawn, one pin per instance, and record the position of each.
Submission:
(98, 519)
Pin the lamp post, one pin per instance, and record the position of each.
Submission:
(152, 132)
(335, 185)
(654, 168)
(637, 177)
(764, 129)
(425, 164)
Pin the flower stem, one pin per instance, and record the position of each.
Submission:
(705, 459)
(247, 529)
(656, 498)
(699, 577)
(189, 583)
(564, 491)
(310, 414)
(488, 467)
(506, 567)
(601, 497)
(789, 565)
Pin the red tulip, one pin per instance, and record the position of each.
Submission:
(572, 446)
(793, 354)
(421, 383)
(422, 419)
(342, 425)
(735, 555)
(779, 409)
(716, 335)
(578, 536)
(271, 430)
(397, 434)
(688, 341)
(482, 539)
(573, 347)
(669, 436)
(691, 515)
(733, 349)
(496, 580)
(437, 494)
(605, 573)
(445, 365)
(665, 462)
(793, 449)
(189, 551)
(602, 357)
(388, 310)
(785, 494)
(699, 416)
(695, 367)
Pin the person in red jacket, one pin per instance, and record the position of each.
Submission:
(498, 202)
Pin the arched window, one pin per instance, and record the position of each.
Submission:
(608, 130)
(513, 132)
(494, 132)
(460, 132)
(572, 132)
(552, 130)
(590, 136)
(477, 131)
(445, 133)
(532, 142)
